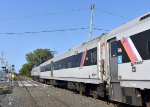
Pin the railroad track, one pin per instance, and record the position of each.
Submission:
(31, 97)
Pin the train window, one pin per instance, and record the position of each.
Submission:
(65, 65)
(43, 69)
(114, 49)
(59, 66)
(148, 47)
(62, 66)
(78, 63)
(69, 65)
(49, 67)
(46, 68)
(93, 56)
(55, 67)
(86, 58)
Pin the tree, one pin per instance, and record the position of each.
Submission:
(35, 58)
(38, 56)
(25, 70)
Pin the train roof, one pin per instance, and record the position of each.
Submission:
(128, 25)
(78, 48)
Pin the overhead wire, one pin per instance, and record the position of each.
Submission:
(58, 30)
(111, 13)
(44, 31)
(49, 31)
(63, 12)
(45, 14)
(101, 29)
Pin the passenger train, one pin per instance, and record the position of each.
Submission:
(114, 65)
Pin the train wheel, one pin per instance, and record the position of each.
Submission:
(148, 101)
(95, 94)
(45, 81)
(77, 87)
(82, 89)
(81, 92)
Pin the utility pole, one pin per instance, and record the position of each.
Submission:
(91, 20)
(2, 63)
(2, 58)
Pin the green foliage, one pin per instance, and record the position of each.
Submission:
(25, 70)
(35, 58)
(38, 56)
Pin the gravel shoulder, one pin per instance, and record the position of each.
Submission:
(48, 96)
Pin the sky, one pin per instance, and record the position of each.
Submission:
(23, 24)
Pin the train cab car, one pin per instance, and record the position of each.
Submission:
(128, 62)
(35, 73)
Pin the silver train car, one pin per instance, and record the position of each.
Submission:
(114, 65)
(35, 73)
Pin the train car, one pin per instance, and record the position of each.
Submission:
(35, 73)
(114, 65)
(78, 67)
(128, 62)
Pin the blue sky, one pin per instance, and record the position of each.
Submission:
(18, 16)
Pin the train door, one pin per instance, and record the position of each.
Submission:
(113, 60)
(114, 86)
